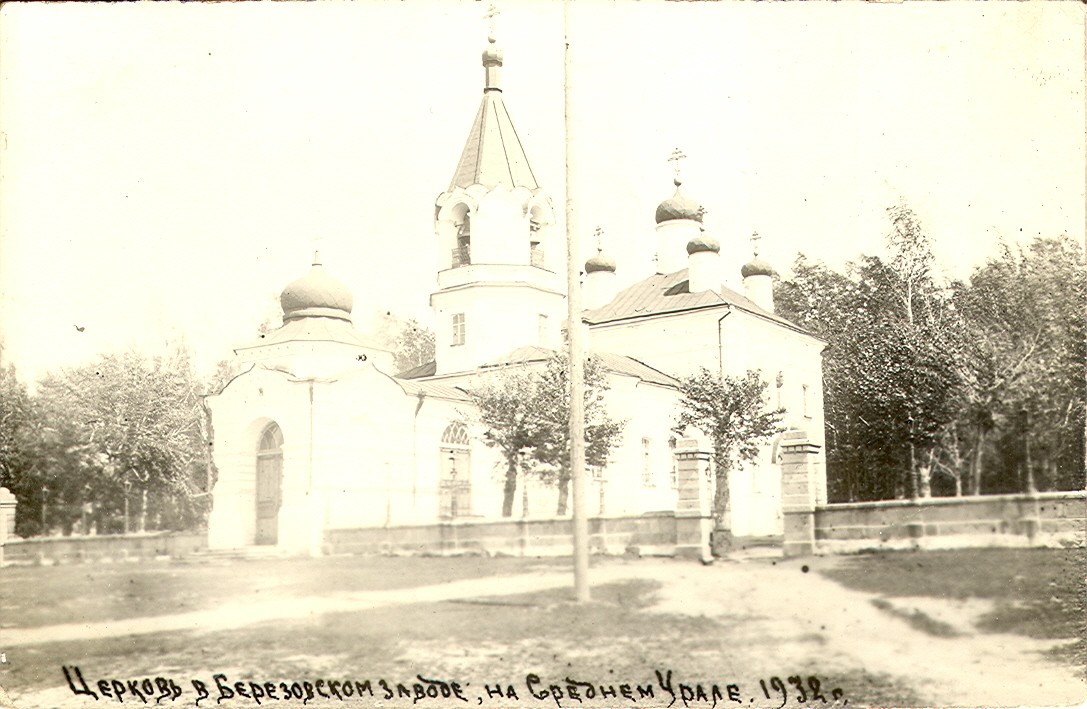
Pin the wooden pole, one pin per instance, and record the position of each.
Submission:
(575, 363)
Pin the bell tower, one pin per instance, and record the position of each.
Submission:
(499, 252)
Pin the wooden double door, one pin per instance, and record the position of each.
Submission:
(269, 496)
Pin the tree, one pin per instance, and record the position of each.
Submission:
(892, 370)
(1025, 315)
(526, 415)
(551, 451)
(413, 346)
(21, 428)
(505, 410)
(126, 429)
(948, 386)
(410, 342)
(732, 412)
(16, 421)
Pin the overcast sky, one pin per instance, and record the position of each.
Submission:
(168, 168)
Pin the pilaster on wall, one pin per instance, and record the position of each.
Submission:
(798, 492)
(694, 510)
(7, 518)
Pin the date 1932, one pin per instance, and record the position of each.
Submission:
(806, 691)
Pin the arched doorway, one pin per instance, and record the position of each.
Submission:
(269, 483)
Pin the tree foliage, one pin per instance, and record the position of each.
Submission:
(114, 445)
(732, 412)
(510, 424)
(551, 452)
(526, 416)
(925, 380)
(411, 343)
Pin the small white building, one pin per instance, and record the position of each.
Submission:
(320, 434)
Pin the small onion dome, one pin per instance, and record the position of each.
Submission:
(492, 55)
(679, 207)
(703, 243)
(316, 295)
(756, 267)
(600, 262)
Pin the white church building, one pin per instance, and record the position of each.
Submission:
(320, 436)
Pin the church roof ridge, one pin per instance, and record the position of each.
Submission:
(668, 294)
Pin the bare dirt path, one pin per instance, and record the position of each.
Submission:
(778, 615)
(844, 629)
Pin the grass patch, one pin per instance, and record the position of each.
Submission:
(917, 619)
(36, 596)
(1040, 593)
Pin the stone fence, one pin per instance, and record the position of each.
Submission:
(649, 534)
(103, 548)
(684, 532)
(1048, 518)
(1029, 519)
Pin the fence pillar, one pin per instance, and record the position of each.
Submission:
(7, 519)
(798, 492)
(694, 510)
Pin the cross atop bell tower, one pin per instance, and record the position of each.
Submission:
(491, 13)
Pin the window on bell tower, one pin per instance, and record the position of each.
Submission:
(458, 329)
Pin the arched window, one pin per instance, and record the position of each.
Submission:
(271, 441)
(462, 251)
(536, 254)
(455, 486)
(269, 484)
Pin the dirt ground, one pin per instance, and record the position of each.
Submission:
(776, 613)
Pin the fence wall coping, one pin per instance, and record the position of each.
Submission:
(965, 499)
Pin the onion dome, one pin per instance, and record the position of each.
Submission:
(679, 207)
(703, 243)
(756, 267)
(316, 295)
(600, 262)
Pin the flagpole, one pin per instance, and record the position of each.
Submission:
(575, 364)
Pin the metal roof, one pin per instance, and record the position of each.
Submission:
(493, 154)
(434, 389)
(314, 329)
(611, 362)
(423, 370)
(663, 294)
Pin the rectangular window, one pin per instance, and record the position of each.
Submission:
(458, 329)
(804, 393)
(541, 329)
(647, 469)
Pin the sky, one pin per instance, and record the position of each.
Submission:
(166, 168)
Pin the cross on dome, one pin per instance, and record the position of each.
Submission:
(756, 266)
(491, 13)
(677, 157)
(599, 233)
